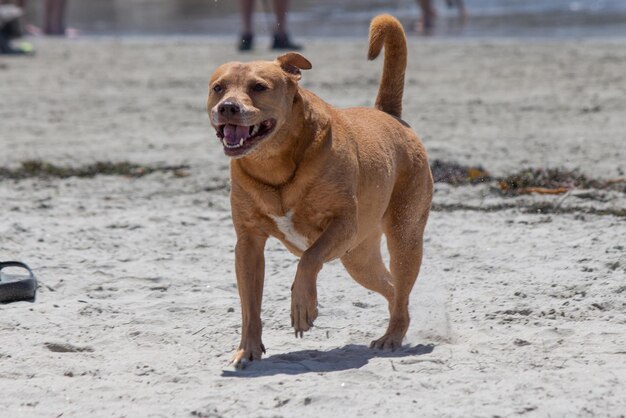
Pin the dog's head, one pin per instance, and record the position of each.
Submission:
(249, 102)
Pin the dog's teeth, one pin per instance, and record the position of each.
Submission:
(227, 145)
(255, 129)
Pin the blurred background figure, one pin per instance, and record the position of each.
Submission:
(54, 20)
(281, 37)
(11, 28)
(429, 13)
(345, 18)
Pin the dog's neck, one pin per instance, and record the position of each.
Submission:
(305, 126)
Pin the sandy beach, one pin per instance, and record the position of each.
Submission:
(520, 308)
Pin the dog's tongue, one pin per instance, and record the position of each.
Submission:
(234, 133)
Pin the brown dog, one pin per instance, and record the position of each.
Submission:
(326, 182)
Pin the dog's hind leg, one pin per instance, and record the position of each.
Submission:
(365, 265)
(404, 228)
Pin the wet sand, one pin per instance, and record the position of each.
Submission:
(516, 311)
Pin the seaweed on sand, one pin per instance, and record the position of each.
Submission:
(41, 169)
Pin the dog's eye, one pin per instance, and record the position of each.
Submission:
(258, 87)
(217, 88)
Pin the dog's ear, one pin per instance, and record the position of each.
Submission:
(292, 63)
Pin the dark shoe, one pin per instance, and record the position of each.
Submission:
(246, 42)
(22, 48)
(14, 287)
(282, 41)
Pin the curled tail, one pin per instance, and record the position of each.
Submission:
(386, 30)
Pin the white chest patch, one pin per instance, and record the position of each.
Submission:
(285, 225)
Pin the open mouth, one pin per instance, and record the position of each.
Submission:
(239, 139)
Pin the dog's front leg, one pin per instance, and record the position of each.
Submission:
(332, 244)
(250, 270)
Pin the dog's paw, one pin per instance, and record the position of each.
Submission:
(243, 356)
(387, 342)
(303, 309)
(302, 318)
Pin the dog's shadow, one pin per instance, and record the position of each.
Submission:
(314, 361)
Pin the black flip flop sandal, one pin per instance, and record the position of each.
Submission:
(15, 287)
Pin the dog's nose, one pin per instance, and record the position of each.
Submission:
(228, 108)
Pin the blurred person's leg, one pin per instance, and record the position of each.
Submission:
(5, 46)
(246, 8)
(281, 7)
(459, 4)
(8, 14)
(281, 38)
(428, 15)
(55, 17)
(462, 11)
